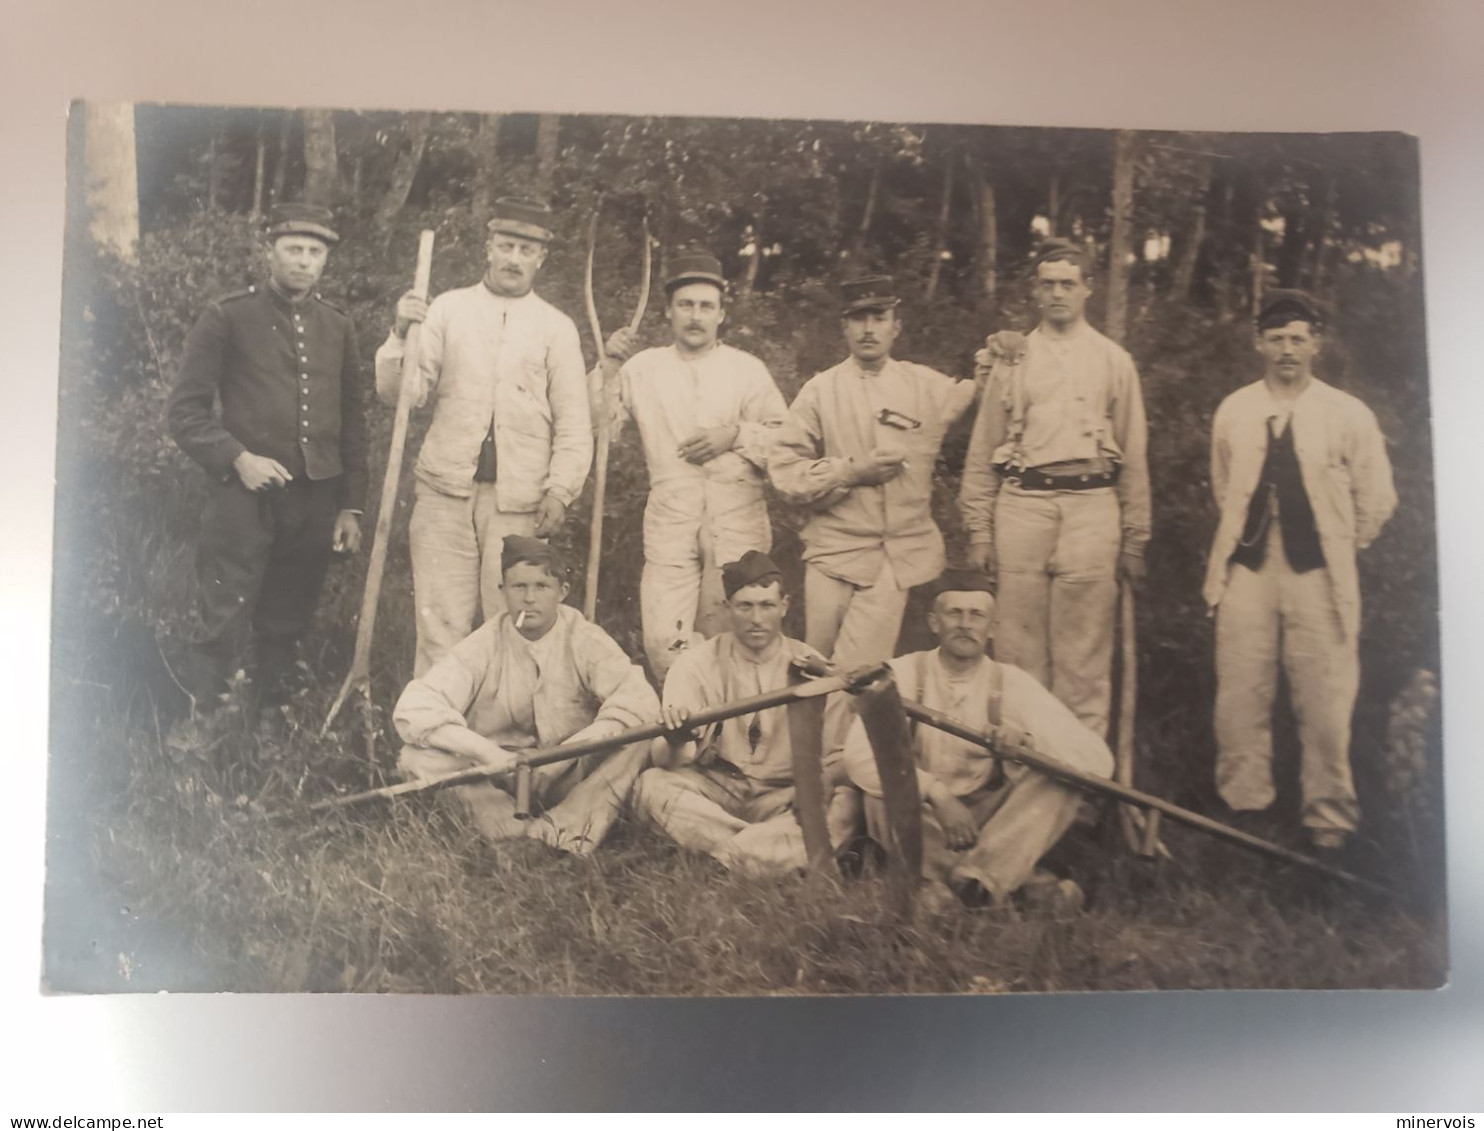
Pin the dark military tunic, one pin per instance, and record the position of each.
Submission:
(288, 380)
(288, 377)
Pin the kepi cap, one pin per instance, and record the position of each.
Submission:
(752, 568)
(1282, 305)
(873, 292)
(530, 219)
(695, 267)
(1054, 249)
(299, 219)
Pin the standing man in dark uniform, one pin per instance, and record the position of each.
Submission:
(285, 454)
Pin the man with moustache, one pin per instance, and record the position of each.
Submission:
(1055, 491)
(857, 452)
(984, 826)
(285, 455)
(707, 414)
(535, 675)
(510, 442)
(1300, 472)
(729, 790)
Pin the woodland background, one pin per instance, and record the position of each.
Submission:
(1188, 229)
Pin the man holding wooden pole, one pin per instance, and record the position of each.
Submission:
(534, 675)
(510, 442)
(730, 789)
(707, 414)
(984, 825)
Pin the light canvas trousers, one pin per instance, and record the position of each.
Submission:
(852, 626)
(1057, 594)
(746, 825)
(456, 576)
(1018, 824)
(1265, 618)
(573, 812)
(680, 590)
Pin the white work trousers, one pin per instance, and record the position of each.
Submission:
(1018, 824)
(1265, 617)
(692, 529)
(853, 626)
(1057, 599)
(746, 825)
(456, 576)
(573, 811)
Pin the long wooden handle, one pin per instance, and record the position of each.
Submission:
(360, 665)
(600, 455)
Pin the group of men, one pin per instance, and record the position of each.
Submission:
(1055, 498)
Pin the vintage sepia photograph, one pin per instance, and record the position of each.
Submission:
(586, 554)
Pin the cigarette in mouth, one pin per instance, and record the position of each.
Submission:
(520, 618)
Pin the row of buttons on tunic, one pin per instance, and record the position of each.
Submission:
(304, 358)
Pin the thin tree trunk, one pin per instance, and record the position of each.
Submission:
(755, 261)
(1053, 203)
(281, 166)
(547, 128)
(1190, 253)
(212, 175)
(1116, 320)
(1257, 264)
(486, 162)
(111, 178)
(940, 231)
(873, 194)
(259, 158)
(1321, 221)
(321, 170)
(404, 172)
(986, 218)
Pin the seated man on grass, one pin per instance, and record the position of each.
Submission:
(984, 826)
(536, 675)
(729, 789)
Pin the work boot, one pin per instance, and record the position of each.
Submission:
(1047, 896)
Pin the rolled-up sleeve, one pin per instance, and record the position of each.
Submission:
(191, 408)
(796, 467)
(762, 418)
(572, 423)
(390, 354)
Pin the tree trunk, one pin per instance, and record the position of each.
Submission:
(873, 195)
(755, 262)
(1116, 319)
(1190, 253)
(111, 178)
(1257, 269)
(281, 166)
(1320, 222)
(486, 161)
(259, 159)
(940, 230)
(212, 176)
(404, 172)
(987, 218)
(547, 128)
(321, 171)
(1053, 203)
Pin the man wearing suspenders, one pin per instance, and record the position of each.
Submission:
(984, 826)
(1055, 492)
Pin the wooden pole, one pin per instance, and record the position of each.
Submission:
(605, 406)
(359, 676)
(1016, 747)
(588, 747)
